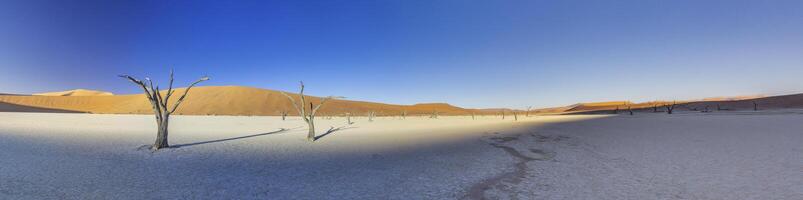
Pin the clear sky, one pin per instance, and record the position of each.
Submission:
(468, 53)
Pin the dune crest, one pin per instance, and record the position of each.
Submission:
(76, 92)
(220, 100)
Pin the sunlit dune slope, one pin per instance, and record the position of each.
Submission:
(224, 100)
(78, 92)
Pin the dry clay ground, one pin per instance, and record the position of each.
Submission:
(734, 155)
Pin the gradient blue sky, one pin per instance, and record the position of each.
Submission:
(468, 53)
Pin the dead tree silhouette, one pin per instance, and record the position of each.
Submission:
(159, 104)
(308, 115)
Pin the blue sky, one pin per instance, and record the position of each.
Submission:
(468, 53)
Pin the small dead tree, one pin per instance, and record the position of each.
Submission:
(404, 114)
(527, 113)
(434, 115)
(284, 115)
(308, 115)
(371, 116)
(515, 116)
(670, 108)
(630, 109)
(755, 106)
(348, 118)
(655, 107)
(160, 106)
(719, 108)
(616, 111)
(503, 114)
(472, 115)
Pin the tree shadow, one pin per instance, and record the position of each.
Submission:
(229, 139)
(332, 130)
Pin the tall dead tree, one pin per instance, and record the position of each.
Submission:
(160, 106)
(670, 108)
(304, 113)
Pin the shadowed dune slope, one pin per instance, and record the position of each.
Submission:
(7, 107)
(225, 100)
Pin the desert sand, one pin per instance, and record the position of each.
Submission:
(216, 100)
(76, 92)
(727, 155)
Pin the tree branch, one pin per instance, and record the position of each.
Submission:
(181, 99)
(295, 105)
(169, 87)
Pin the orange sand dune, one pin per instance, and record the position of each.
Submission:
(222, 100)
(78, 92)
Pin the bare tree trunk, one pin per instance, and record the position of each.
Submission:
(311, 132)
(515, 116)
(348, 117)
(284, 115)
(161, 135)
(472, 115)
(630, 109)
(755, 106)
(503, 114)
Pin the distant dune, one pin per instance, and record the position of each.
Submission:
(217, 100)
(78, 92)
(247, 101)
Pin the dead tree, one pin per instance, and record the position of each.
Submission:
(404, 114)
(472, 115)
(670, 108)
(719, 108)
(434, 115)
(655, 107)
(308, 115)
(515, 116)
(630, 110)
(284, 115)
(755, 106)
(503, 114)
(371, 116)
(527, 114)
(616, 111)
(348, 117)
(160, 106)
